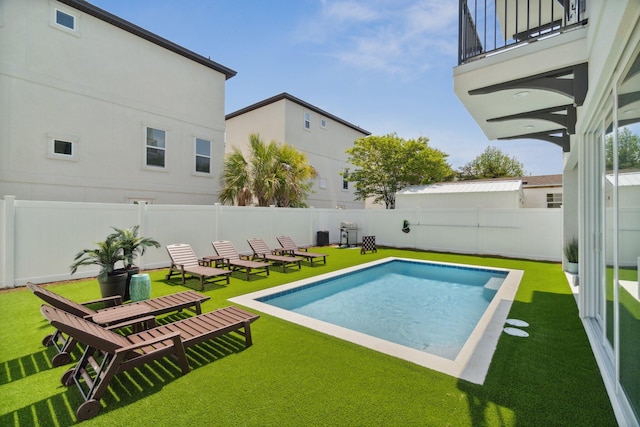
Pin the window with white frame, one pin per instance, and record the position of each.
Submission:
(63, 20)
(156, 147)
(345, 183)
(203, 156)
(62, 148)
(323, 123)
(554, 200)
(323, 183)
(307, 121)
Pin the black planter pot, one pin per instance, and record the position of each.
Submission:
(113, 284)
(130, 272)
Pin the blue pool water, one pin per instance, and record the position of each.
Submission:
(428, 307)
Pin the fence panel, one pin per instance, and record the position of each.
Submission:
(39, 239)
(49, 234)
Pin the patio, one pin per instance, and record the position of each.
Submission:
(295, 376)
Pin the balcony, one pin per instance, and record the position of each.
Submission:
(487, 26)
(522, 69)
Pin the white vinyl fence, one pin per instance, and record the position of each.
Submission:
(38, 239)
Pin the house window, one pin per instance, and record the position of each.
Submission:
(345, 184)
(156, 147)
(203, 156)
(307, 121)
(323, 183)
(62, 148)
(323, 123)
(554, 200)
(65, 20)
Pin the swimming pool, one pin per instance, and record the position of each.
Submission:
(442, 316)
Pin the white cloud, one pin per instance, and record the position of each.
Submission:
(397, 37)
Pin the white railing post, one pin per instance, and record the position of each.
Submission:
(142, 224)
(7, 264)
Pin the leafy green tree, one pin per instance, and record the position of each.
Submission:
(274, 174)
(628, 150)
(386, 164)
(492, 163)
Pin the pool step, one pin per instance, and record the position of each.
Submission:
(491, 287)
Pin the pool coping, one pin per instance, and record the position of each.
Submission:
(471, 363)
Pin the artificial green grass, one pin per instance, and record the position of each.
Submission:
(299, 377)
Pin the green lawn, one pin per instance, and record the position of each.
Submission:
(299, 377)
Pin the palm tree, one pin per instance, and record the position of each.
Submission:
(274, 174)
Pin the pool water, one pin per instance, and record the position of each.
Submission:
(446, 317)
(428, 307)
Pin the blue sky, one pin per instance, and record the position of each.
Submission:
(384, 65)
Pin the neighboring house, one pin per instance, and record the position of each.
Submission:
(322, 136)
(543, 191)
(96, 109)
(568, 72)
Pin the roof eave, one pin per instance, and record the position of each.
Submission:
(103, 15)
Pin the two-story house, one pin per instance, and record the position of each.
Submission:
(96, 109)
(568, 72)
(322, 136)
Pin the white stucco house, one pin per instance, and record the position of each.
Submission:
(322, 136)
(568, 73)
(96, 109)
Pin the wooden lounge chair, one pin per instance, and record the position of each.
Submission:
(234, 261)
(108, 353)
(263, 252)
(289, 247)
(184, 261)
(189, 300)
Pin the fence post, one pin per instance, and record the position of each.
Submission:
(217, 207)
(7, 272)
(142, 224)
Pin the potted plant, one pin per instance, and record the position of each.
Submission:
(571, 253)
(112, 281)
(132, 245)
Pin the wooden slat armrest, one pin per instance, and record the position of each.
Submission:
(145, 343)
(148, 321)
(116, 299)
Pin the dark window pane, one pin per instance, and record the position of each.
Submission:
(62, 147)
(202, 164)
(155, 157)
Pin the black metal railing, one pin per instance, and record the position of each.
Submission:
(487, 26)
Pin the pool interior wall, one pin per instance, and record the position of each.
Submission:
(472, 361)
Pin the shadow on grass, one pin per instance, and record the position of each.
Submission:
(55, 410)
(549, 378)
(125, 388)
(22, 367)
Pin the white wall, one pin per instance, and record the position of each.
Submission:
(536, 197)
(99, 87)
(38, 240)
(502, 199)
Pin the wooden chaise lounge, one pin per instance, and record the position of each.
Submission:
(189, 300)
(289, 247)
(184, 261)
(108, 353)
(235, 261)
(263, 252)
